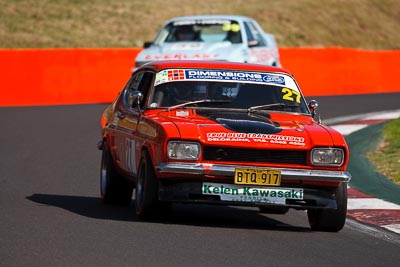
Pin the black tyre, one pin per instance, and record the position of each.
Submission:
(330, 220)
(274, 210)
(114, 189)
(146, 201)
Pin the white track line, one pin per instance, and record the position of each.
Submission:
(347, 129)
(370, 204)
(393, 227)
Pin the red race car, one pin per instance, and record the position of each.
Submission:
(221, 133)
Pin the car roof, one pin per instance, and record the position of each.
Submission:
(217, 16)
(206, 64)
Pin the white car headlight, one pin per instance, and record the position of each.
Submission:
(183, 150)
(327, 156)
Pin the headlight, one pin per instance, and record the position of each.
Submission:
(183, 150)
(327, 156)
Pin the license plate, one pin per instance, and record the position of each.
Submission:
(257, 176)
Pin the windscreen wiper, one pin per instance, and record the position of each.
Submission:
(270, 106)
(197, 102)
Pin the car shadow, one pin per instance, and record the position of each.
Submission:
(181, 214)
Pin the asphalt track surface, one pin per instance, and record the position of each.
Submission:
(51, 213)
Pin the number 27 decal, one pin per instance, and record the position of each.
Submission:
(291, 95)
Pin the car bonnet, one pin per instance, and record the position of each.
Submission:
(233, 128)
(188, 51)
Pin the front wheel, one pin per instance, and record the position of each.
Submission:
(114, 189)
(330, 220)
(147, 204)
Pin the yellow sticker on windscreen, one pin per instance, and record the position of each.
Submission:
(290, 95)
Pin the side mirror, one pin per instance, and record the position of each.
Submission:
(313, 106)
(135, 99)
(252, 43)
(147, 44)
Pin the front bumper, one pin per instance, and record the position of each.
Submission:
(204, 169)
(191, 191)
(188, 188)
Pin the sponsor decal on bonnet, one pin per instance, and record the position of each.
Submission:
(256, 137)
(181, 56)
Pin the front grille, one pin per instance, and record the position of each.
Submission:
(255, 155)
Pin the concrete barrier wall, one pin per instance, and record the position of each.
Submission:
(78, 76)
(63, 76)
(341, 71)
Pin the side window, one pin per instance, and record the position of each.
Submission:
(254, 36)
(145, 87)
(139, 82)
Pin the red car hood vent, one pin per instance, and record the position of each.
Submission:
(247, 126)
(243, 122)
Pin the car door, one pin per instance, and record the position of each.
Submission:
(129, 115)
(258, 49)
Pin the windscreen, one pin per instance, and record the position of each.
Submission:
(272, 91)
(209, 31)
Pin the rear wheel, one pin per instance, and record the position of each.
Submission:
(114, 189)
(147, 204)
(330, 220)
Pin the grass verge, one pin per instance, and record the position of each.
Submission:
(387, 156)
(366, 24)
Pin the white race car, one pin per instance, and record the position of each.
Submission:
(211, 37)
